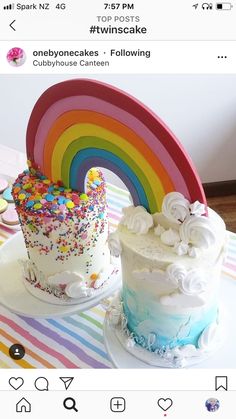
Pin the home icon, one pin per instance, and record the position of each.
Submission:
(23, 406)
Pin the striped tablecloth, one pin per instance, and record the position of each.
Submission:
(75, 341)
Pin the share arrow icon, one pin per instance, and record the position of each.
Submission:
(67, 381)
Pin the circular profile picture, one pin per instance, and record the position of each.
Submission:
(16, 57)
(212, 405)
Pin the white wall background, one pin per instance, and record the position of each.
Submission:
(199, 109)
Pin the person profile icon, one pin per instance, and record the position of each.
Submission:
(212, 405)
(17, 351)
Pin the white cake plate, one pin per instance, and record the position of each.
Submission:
(224, 357)
(15, 297)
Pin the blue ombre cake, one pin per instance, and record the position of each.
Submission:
(169, 306)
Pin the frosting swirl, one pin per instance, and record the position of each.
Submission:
(175, 207)
(198, 231)
(137, 219)
(114, 244)
(193, 283)
(176, 273)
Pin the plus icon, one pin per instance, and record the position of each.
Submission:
(117, 404)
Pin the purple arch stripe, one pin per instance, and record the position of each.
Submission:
(99, 162)
(100, 106)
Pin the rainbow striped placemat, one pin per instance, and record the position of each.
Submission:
(74, 341)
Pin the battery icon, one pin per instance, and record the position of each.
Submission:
(224, 6)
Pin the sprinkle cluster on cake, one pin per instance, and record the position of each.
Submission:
(65, 232)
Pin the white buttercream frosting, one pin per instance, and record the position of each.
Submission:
(193, 283)
(78, 289)
(114, 244)
(190, 282)
(179, 300)
(159, 230)
(193, 252)
(137, 219)
(175, 207)
(145, 274)
(64, 278)
(210, 337)
(198, 231)
(170, 237)
(181, 248)
(176, 273)
(197, 208)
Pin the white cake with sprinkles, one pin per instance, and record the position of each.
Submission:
(65, 234)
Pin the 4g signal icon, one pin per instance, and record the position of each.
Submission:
(9, 7)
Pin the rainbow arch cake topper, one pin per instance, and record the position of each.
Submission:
(79, 124)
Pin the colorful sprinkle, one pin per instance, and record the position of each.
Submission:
(70, 204)
(29, 204)
(49, 197)
(84, 197)
(64, 249)
(27, 186)
(37, 206)
(33, 192)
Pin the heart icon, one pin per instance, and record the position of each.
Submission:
(16, 383)
(165, 404)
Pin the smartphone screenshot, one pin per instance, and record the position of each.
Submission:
(117, 209)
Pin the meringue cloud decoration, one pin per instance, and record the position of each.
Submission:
(79, 124)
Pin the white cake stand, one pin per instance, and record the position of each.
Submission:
(224, 357)
(15, 296)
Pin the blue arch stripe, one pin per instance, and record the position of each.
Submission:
(88, 154)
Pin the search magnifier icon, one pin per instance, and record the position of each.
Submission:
(70, 404)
